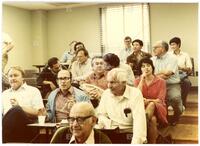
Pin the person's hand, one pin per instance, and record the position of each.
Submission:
(52, 86)
(143, 76)
(14, 102)
(94, 94)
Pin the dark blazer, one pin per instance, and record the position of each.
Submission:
(63, 135)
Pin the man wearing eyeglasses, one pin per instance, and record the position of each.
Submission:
(82, 121)
(63, 98)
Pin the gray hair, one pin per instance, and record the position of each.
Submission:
(163, 44)
(118, 74)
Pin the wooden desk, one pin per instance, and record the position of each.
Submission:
(46, 129)
(39, 67)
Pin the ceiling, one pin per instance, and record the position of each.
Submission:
(45, 5)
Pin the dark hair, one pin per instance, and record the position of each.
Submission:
(78, 43)
(111, 59)
(145, 60)
(127, 38)
(138, 41)
(52, 61)
(95, 57)
(84, 50)
(176, 40)
(70, 74)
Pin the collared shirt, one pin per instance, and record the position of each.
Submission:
(26, 96)
(183, 59)
(90, 139)
(97, 81)
(129, 72)
(79, 71)
(167, 62)
(124, 53)
(64, 104)
(111, 112)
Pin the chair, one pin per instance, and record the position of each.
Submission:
(61, 135)
(193, 71)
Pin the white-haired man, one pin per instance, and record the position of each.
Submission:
(122, 106)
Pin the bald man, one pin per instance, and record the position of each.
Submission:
(82, 120)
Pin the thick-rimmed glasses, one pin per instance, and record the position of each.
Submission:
(63, 78)
(79, 120)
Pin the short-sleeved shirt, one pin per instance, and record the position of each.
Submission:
(26, 96)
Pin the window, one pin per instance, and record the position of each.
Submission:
(124, 20)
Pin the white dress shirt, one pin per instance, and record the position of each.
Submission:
(26, 96)
(183, 59)
(111, 112)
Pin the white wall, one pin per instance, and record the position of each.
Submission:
(17, 23)
(80, 24)
(169, 20)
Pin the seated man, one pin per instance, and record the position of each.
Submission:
(96, 78)
(122, 106)
(47, 78)
(21, 105)
(137, 55)
(166, 67)
(184, 67)
(112, 61)
(62, 99)
(81, 120)
(82, 66)
(127, 50)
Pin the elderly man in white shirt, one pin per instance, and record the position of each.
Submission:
(21, 105)
(184, 67)
(82, 66)
(122, 106)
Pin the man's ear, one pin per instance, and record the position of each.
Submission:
(94, 120)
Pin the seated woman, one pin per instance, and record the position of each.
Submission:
(154, 92)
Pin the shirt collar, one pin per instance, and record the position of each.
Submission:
(90, 139)
(163, 56)
(23, 86)
(70, 90)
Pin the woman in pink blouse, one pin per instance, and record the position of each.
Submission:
(154, 92)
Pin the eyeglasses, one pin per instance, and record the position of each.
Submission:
(63, 78)
(79, 120)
